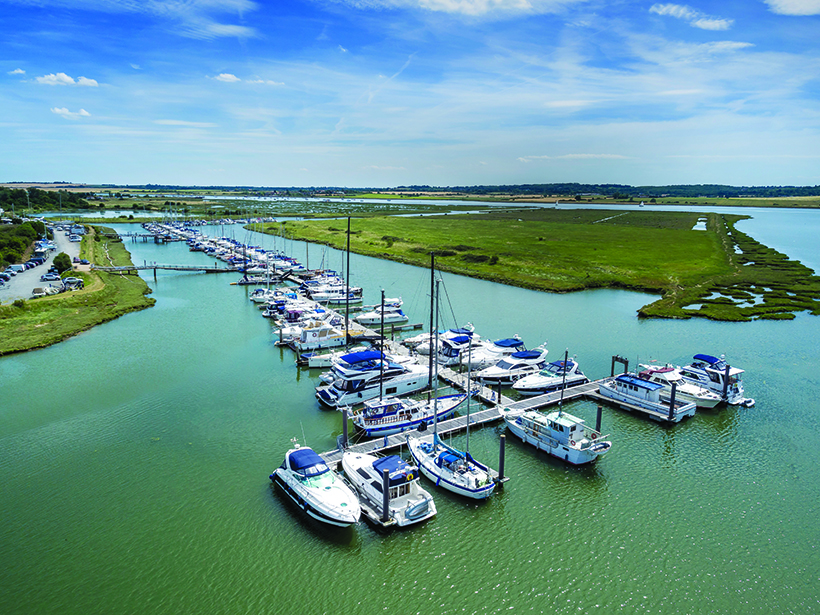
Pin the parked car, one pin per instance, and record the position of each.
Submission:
(49, 277)
(76, 259)
(84, 261)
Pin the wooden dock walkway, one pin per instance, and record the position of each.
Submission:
(133, 269)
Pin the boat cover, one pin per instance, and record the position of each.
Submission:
(364, 355)
(509, 342)
(527, 354)
(459, 339)
(446, 458)
(708, 358)
(400, 471)
(644, 384)
(307, 462)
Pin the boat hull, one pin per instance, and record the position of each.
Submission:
(570, 454)
(309, 506)
(458, 484)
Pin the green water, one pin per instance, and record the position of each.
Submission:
(134, 464)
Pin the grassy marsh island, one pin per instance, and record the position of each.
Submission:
(37, 323)
(718, 273)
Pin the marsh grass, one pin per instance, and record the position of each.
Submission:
(568, 250)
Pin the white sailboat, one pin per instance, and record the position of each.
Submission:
(448, 467)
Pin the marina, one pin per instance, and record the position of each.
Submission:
(199, 426)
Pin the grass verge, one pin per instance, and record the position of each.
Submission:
(37, 323)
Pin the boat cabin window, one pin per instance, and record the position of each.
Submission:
(390, 391)
(397, 492)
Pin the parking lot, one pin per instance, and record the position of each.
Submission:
(22, 285)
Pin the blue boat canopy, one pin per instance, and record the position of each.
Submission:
(446, 458)
(462, 331)
(307, 462)
(708, 358)
(527, 354)
(400, 471)
(509, 342)
(638, 382)
(459, 339)
(364, 355)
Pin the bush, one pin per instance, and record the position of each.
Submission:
(63, 262)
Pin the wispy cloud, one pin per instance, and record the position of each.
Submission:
(265, 81)
(17, 71)
(71, 115)
(185, 123)
(471, 8)
(200, 19)
(227, 78)
(794, 7)
(63, 79)
(695, 18)
(342, 49)
(574, 157)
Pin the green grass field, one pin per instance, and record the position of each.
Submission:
(568, 250)
(37, 323)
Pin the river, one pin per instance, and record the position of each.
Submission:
(134, 463)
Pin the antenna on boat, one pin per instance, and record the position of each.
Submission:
(563, 382)
(304, 439)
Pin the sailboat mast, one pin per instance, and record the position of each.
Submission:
(469, 382)
(433, 349)
(347, 282)
(381, 361)
(435, 392)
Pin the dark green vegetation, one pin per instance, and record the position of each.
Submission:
(62, 262)
(16, 241)
(36, 323)
(568, 250)
(35, 200)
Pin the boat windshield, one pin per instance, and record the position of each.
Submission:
(307, 463)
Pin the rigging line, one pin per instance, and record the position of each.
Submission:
(450, 304)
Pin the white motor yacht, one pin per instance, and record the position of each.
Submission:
(408, 502)
(315, 488)
(684, 389)
(514, 366)
(557, 433)
(553, 377)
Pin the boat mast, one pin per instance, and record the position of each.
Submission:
(347, 283)
(563, 383)
(469, 382)
(433, 350)
(381, 347)
(435, 393)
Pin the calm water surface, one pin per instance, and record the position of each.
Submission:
(134, 464)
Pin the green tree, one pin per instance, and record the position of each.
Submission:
(63, 262)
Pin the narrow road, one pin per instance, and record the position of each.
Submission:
(21, 285)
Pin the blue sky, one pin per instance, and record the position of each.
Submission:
(397, 92)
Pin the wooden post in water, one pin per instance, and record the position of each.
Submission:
(344, 428)
(672, 401)
(385, 495)
(502, 442)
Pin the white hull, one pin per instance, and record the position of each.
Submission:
(530, 427)
(471, 481)
(411, 505)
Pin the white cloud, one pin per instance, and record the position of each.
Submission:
(136, 67)
(472, 8)
(63, 79)
(794, 7)
(342, 49)
(185, 123)
(71, 115)
(17, 71)
(265, 81)
(227, 78)
(695, 18)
